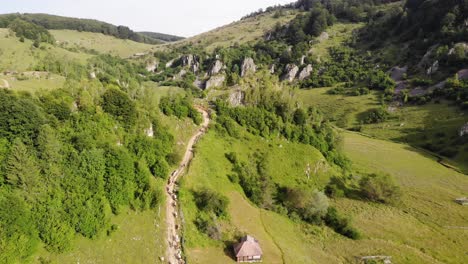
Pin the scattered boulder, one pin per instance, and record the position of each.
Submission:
(464, 130)
(434, 68)
(248, 66)
(152, 66)
(273, 69)
(236, 98)
(291, 71)
(215, 81)
(92, 75)
(150, 131)
(216, 68)
(397, 73)
(170, 63)
(306, 72)
(324, 36)
(303, 59)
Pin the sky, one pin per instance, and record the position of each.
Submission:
(178, 17)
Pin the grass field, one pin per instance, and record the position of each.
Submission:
(100, 43)
(412, 232)
(241, 32)
(21, 56)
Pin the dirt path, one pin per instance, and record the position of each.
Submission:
(174, 252)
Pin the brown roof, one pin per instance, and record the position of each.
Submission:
(248, 247)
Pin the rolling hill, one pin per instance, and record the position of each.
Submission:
(335, 134)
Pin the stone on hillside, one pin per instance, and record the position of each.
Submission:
(306, 72)
(463, 74)
(170, 63)
(198, 83)
(191, 62)
(215, 81)
(272, 69)
(150, 131)
(248, 66)
(216, 68)
(426, 59)
(303, 59)
(92, 75)
(462, 46)
(291, 71)
(433, 69)
(324, 36)
(236, 98)
(151, 66)
(464, 130)
(397, 73)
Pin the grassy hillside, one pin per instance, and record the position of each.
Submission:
(21, 56)
(247, 30)
(82, 41)
(413, 232)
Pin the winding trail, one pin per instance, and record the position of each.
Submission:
(174, 249)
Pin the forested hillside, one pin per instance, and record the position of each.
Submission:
(88, 25)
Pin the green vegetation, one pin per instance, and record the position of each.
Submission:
(87, 25)
(24, 29)
(181, 107)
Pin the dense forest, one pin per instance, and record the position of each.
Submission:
(73, 157)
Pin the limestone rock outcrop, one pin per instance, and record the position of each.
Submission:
(248, 66)
(215, 81)
(290, 74)
(306, 72)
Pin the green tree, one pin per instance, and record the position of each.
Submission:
(22, 170)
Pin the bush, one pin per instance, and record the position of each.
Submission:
(340, 224)
(118, 104)
(376, 116)
(211, 202)
(380, 188)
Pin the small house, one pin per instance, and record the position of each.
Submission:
(462, 201)
(248, 250)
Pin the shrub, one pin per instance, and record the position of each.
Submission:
(379, 188)
(340, 224)
(211, 202)
(375, 116)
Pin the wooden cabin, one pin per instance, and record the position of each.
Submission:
(248, 250)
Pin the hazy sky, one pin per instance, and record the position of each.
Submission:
(179, 17)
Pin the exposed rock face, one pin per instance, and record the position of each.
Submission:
(272, 69)
(426, 59)
(152, 66)
(464, 130)
(463, 74)
(216, 68)
(306, 72)
(324, 36)
(433, 69)
(248, 66)
(92, 75)
(215, 81)
(236, 98)
(397, 73)
(291, 71)
(199, 83)
(191, 62)
(170, 63)
(303, 60)
(180, 75)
